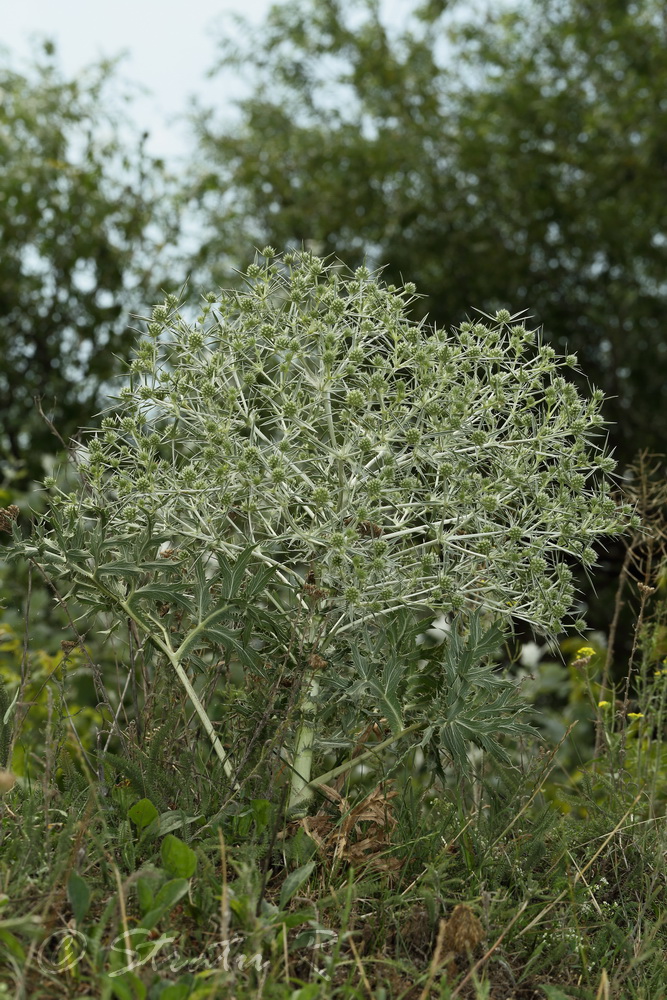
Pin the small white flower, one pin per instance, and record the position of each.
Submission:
(531, 654)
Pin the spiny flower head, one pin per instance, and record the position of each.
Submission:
(307, 413)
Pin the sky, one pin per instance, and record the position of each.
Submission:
(169, 45)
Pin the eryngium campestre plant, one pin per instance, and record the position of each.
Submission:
(373, 462)
(401, 464)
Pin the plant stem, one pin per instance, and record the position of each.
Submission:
(334, 445)
(300, 791)
(153, 628)
(308, 787)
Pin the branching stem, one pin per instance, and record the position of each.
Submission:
(153, 628)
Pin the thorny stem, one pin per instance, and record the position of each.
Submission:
(645, 592)
(334, 444)
(618, 605)
(323, 779)
(154, 627)
(300, 791)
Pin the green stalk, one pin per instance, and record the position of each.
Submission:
(5, 728)
(302, 761)
(203, 717)
(334, 443)
(153, 627)
(306, 789)
(300, 788)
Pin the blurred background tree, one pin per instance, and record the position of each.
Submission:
(510, 156)
(516, 158)
(82, 224)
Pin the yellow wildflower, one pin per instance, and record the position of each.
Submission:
(586, 651)
(604, 704)
(635, 715)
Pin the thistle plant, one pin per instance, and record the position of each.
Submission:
(305, 445)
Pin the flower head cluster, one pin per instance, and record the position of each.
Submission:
(399, 463)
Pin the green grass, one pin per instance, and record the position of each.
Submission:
(354, 901)
(137, 873)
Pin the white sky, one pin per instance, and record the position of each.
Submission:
(170, 45)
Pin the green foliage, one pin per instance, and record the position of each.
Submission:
(5, 725)
(574, 885)
(465, 700)
(444, 699)
(515, 158)
(177, 858)
(79, 206)
(294, 881)
(78, 894)
(310, 419)
(56, 697)
(309, 422)
(147, 771)
(143, 813)
(572, 899)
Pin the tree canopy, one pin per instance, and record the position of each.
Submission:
(79, 226)
(513, 160)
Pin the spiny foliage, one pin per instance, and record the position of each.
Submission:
(309, 416)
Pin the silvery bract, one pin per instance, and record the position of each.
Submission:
(397, 463)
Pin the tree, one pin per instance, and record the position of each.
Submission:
(514, 160)
(79, 221)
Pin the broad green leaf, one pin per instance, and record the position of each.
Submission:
(153, 916)
(173, 820)
(296, 919)
(261, 809)
(312, 991)
(293, 882)
(12, 944)
(177, 991)
(126, 986)
(145, 895)
(170, 893)
(164, 901)
(78, 894)
(178, 859)
(143, 813)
